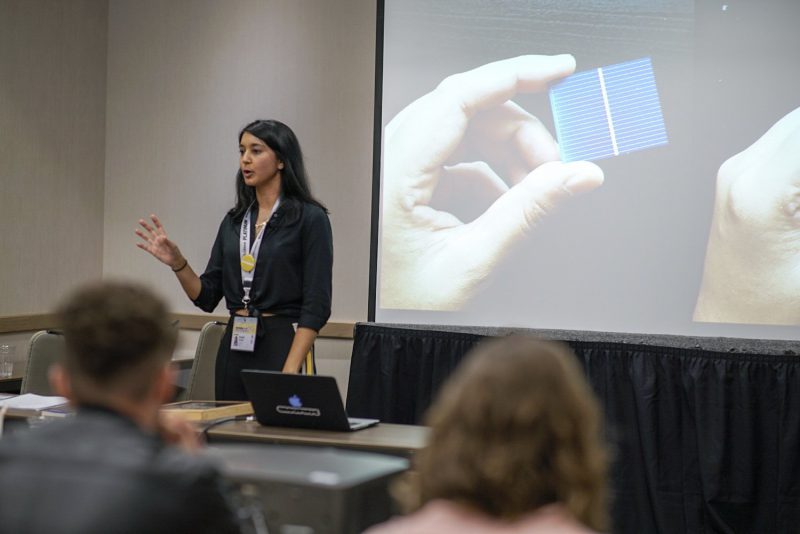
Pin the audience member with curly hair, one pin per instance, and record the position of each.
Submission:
(516, 446)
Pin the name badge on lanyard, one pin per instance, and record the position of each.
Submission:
(243, 336)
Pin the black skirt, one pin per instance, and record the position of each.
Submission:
(273, 341)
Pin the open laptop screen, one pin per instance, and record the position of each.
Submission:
(300, 401)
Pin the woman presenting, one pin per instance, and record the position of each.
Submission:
(272, 261)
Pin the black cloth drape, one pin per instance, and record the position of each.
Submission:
(704, 440)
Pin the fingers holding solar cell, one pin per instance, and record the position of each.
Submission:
(467, 190)
(523, 207)
(439, 264)
(467, 174)
(509, 139)
(432, 261)
(494, 83)
(428, 131)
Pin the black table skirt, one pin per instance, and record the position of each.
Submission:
(705, 432)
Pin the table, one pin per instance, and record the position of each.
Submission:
(398, 440)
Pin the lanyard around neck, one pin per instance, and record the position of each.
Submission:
(248, 254)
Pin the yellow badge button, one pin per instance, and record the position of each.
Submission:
(248, 263)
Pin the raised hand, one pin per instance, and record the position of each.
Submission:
(155, 241)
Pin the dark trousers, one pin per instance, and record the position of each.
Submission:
(273, 341)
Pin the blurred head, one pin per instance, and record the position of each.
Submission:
(516, 427)
(280, 139)
(119, 344)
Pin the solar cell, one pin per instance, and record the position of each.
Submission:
(608, 111)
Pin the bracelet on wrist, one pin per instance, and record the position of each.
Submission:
(182, 267)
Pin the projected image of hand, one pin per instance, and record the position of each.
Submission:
(466, 146)
(752, 267)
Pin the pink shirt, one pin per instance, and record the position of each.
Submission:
(443, 517)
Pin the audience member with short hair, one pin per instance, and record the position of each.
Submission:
(515, 446)
(116, 466)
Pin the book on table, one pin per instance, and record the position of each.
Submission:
(198, 410)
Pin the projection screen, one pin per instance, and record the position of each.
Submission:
(619, 166)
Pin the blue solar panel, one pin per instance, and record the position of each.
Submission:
(608, 111)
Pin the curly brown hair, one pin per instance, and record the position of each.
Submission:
(117, 335)
(516, 427)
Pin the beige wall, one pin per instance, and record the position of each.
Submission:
(52, 146)
(155, 132)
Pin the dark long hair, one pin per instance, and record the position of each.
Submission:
(294, 180)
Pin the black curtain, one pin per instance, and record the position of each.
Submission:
(704, 440)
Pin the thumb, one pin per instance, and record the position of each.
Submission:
(521, 208)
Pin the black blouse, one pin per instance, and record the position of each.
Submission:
(293, 269)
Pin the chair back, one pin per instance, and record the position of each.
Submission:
(201, 378)
(46, 347)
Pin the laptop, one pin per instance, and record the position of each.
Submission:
(300, 401)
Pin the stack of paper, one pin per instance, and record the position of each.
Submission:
(30, 403)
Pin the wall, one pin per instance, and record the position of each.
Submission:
(52, 147)
(119, 109)
(52, 139)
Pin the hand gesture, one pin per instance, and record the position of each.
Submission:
(155, 241)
